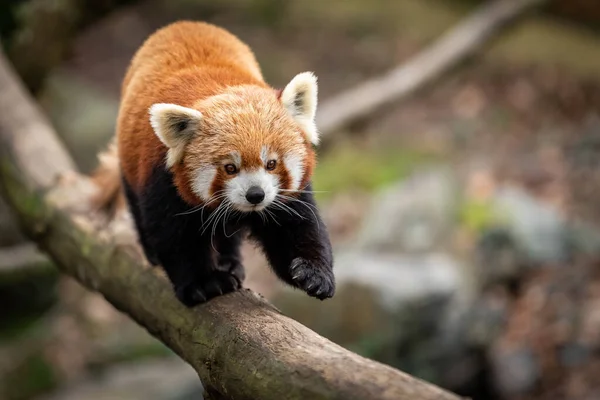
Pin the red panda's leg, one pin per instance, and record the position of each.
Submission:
(229, 257)
(174, 233)
(134, 208)
(298, 247)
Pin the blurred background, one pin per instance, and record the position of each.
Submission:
(465, 218)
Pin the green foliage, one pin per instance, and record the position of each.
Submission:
(477, 215)
(32, 377)
(270, 13)
(351, 168)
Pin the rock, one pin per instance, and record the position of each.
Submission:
(574, 354)
(487, 317)
(413, 215)
(539, 233)
(515, 370)
(497, 256)
(538, 227)
(400, 278)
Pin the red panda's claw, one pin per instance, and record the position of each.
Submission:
(314, 277)
(208, 287)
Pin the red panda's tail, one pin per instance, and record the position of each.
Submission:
(107, 178)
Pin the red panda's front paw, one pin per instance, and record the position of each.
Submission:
(314, 277)
(234, 266)
(201, 290)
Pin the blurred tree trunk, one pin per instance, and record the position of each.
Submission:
(38, 33)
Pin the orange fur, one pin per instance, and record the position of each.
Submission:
(203, 67)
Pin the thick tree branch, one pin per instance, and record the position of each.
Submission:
(45, 32)
(445, 53)
(241, 347)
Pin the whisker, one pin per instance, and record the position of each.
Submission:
(239, 229)
(309, 206)
(304, 191)
(299, 201)
(201, 207)
(288, 209)
(272, 216)
(223, 214)
(212, 217)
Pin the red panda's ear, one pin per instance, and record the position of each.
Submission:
(175, 126)
(300, 99)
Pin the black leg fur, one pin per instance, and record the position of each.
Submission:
(298, 246)
(137, 217)
(175, 236)
(229, 257)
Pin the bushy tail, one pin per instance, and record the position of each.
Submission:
(107, 178)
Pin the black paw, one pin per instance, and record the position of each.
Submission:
(233, 266)
(203, 289)
(315, 278)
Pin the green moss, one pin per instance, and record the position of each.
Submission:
(478, 215)
(27, 204)
(349, 168)
(33, 377)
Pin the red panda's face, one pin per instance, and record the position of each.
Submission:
(245, 148)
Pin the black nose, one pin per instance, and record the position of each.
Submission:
(255, 195)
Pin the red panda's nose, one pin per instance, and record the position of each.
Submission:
(255, 195)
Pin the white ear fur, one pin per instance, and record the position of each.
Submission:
(300, 99)
(175, 126)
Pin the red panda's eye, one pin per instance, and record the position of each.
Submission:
(230, 169)
(271, 165)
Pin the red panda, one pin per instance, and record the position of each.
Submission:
(207, 152)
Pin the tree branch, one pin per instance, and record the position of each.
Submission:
(45, 31)
(241, 347)
(445, 53)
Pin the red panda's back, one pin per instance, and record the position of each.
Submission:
(185, 44)
(181, 64)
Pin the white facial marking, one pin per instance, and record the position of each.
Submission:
(295, 167)
(236, 158)
(237, 188)
(264, 154)
(203, 180)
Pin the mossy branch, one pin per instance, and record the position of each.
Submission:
(240, 345)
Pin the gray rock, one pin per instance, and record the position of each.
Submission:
(542, 234)
(413, 215)
(574, 354)
(515, 371)
(538, 228)
(498, 256)
(400, 278)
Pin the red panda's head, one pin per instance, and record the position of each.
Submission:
(243, 146)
